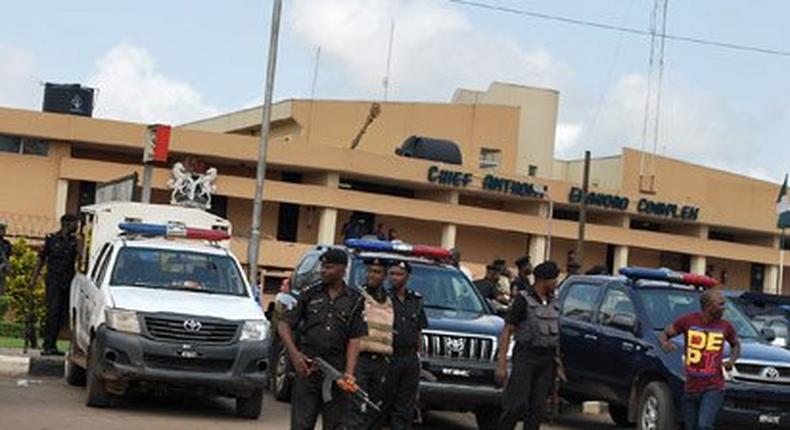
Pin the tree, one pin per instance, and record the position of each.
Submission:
(22, 263)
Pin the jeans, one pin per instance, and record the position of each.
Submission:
(700, 409)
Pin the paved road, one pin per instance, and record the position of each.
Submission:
(48, 403)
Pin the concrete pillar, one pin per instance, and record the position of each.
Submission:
(327, 226)
(449, 232)
(537, 249)
(61, 197)
(620, 258)
(770, 278)
(699, 264)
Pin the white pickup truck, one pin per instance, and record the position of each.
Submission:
(160, 301)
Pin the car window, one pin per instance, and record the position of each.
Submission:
(103, 264)
(615, 302)
(580, 301)
(305, 272)
(99, 261)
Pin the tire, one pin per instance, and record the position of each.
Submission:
(97, 390)
(619, 415)
(75, 375)
(656, 408)
(281, 377)
(250, 407)
(487, 417)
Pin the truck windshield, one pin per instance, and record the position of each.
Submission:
(177, 270)
(664, 306)
(441, 287)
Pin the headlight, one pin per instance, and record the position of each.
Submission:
(123, 320)
(254, 330)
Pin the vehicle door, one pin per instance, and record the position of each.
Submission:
(618, 348)
(92, 295)
(579, 300)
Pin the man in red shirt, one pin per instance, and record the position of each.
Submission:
(704, 333)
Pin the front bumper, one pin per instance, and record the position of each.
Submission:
(468, 384)
(755, 406)
(235, 369)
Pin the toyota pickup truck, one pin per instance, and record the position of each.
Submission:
(160, 302)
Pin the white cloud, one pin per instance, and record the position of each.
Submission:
(19, 86)
(131, 89)
(436, 49)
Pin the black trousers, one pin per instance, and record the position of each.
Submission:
(57, 309)
(371, 374)
(403, 381)
(307, 403)
(526, 392)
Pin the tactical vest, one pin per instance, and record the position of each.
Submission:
(380, 318)
(541, 328)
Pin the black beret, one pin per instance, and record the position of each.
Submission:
(403, 265)
(375, 261)
(523, 261)
(334, 256)
(546, 270)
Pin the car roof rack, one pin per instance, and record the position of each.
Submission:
(668, 275)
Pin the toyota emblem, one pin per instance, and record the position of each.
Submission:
(192, 325)
(454, 345)
(771, 373)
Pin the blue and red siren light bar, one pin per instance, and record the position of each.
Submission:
(399, 247)
(172, 230)
(669, 276)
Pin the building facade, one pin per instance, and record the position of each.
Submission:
(509, 197)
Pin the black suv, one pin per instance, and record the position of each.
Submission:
(611, 350)
(459, 345)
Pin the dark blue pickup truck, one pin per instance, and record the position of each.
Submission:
(459, 346)
(611, 350)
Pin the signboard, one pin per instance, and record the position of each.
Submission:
(157, 143)
(493, 183)
(644, 206)
(118, 190)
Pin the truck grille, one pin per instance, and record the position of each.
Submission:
(190, 364)
(186, 329)
(774, 373)
(458, 347)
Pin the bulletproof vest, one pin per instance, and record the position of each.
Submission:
(541, 328)
(380, 318)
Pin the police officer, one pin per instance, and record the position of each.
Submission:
(376, 348)
(522, 282)
(5, 257)
(534, 320)
(329, 319)
(404, 376)
(60, 255)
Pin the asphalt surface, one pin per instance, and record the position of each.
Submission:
(49, 403)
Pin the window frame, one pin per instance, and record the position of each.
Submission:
(103, 266)
(599, 287)
(602, 302)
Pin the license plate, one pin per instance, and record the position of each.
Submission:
(769, 419)
(188, 354)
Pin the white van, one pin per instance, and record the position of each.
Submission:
(160, 301)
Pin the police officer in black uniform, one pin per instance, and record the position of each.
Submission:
(534, 320)
(522, 282)
(330, 322)
(5, 257)
(60, 255)
(404, 377)
(376, 348)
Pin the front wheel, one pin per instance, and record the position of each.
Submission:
(281, 381)
(250, 407)
(656, 409)
(75, 375)
(97, 387)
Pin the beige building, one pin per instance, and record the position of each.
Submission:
(508, 198)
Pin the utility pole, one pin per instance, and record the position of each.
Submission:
(583, 210)
(266, 114)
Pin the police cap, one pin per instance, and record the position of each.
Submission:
(403, 265)
(523, 262)
(334, 256)
(546, 270)
(375, 261)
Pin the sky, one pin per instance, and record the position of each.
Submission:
(181, 60)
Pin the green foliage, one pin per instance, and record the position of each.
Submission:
(5, 306)
(8, 329)
(22, 264)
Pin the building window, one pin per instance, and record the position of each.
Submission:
(533, 170)
(490, 158)
(23, 145)
(722, 236)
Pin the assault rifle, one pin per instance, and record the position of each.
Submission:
(333, 376)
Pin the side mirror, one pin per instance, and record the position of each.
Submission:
(769, 334)
(625, 322)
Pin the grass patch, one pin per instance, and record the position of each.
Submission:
(14, 342)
